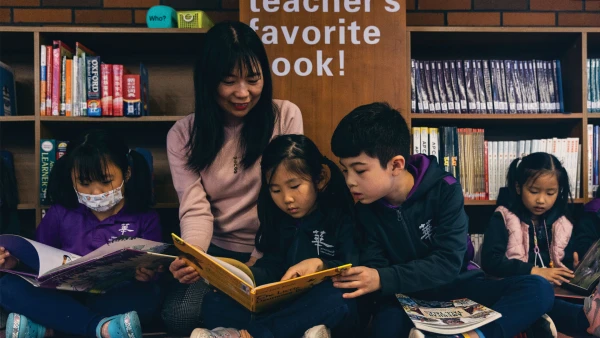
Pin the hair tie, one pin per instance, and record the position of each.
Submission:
(519, 162)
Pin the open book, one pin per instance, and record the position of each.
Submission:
(447, 318)
(96, 272)
(587, 273)
(235, 279)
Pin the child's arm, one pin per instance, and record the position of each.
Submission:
(493, 254)
(585, 233)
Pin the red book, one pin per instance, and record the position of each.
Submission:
(118, 72)
(107, 89)
(59, 49)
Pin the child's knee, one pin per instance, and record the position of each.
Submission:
(542, 291)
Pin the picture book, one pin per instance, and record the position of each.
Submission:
(587, 273)
(447, 317)
(235, 279)
(111, 264)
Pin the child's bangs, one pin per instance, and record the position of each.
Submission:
(298, 167)
(89, 167)
(532, 175)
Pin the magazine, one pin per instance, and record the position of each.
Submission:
(96, 272)
(587, 273)
(447, 317)
(236, 280)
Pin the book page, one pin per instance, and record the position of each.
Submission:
(215, 274)
(234, 270)
(40, 257)
(588, 272)
(269, 295)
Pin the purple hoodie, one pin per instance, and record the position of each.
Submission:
(80, 232)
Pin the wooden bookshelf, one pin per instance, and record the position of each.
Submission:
(169, 56)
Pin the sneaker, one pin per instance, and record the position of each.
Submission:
(319, 331)
(19, 326)
(542, 328)
(591, 307)
(124, 325)
(416, 333)
(219, 332)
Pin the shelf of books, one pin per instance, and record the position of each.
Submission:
(482, 97)
(140, 83)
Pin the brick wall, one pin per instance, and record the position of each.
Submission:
(103, 12)
(503, 12)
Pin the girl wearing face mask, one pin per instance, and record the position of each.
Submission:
(100, 190)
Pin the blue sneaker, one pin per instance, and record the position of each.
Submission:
(19, 326)
(126, 325)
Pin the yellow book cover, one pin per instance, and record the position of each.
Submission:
(236, 280)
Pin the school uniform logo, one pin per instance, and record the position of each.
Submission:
(426, 230)
(125, 228)
(319, 242)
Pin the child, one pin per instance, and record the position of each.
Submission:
(588, 229)
(306, 225)
(416, 232)
(99, 191)
(529, 232)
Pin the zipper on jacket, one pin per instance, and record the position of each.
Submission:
(400, 218)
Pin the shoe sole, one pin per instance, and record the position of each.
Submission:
(200, 333)
(320, 331)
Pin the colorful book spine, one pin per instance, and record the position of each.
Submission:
(69, 88)
(61, 148)
(118, 90)
(59, 50)
(132, 97)
(94, 106)
(47, 159)
(49, 76)
(145, 91)
(107, 89)
(43, 84)
(63, 86)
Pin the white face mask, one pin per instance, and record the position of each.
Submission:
(102, 202)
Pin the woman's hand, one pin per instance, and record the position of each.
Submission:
(306, 267)
(184, 273)
(6, 260)
(555, 276)
(251, 261)
(147, 274)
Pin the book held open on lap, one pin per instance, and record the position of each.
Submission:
(587, 273)
(235, 279)
(447, 317)
(96, 272)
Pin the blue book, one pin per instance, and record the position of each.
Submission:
(558, 82)
(8, 91)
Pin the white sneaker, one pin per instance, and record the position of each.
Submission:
(219, 332)
(319, 331)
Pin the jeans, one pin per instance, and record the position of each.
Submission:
(77, 313)
(322, 304)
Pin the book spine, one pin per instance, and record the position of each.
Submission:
(422, 88)
(131, 98)
(425, 141)
(56, 73)
(413, 95)
(83, 85)
(49, 77)
(47, 159)
(589, 86)
(68, 87)
(470, 87)
(480, 89)
(416, 132)
(43, 77)
(434, 143)
(452, 108)
(558, 88)
(488, 87)
(517, 78)
(61, 149)
(495, 87)
(63, 86)
(503, 90)
(510, 87)
(441, 86)
(94, 106)
(436, 88)
(455, 89)
(118, 90)
(75, 86)
(462, 91)
(144, 91)
(107, 89)
(429, 87)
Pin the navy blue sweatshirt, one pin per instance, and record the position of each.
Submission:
(587, 231)
(307, 238)
(421, 244)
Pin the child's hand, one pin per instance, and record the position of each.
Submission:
(555, 276)
(306, 267)
(575, 260)
(6, 260)
(251, 261)
(146, 274)
(362, 278)
(183, 273)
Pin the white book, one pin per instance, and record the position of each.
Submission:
(434, 142)
(425, 141)
(416, 131)
(493, 166)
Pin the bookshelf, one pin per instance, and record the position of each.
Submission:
(572, 46)
(168, 54)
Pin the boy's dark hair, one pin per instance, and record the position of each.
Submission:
(376, 129)
(529, 169)
(225, 46)
(298, 154)
(88, 157)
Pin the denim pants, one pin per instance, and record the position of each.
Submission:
(322, 304)
(521, 300)
(77, 313)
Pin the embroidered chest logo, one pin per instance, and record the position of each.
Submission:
(427, 230)
(125, 228)
(319, 242)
